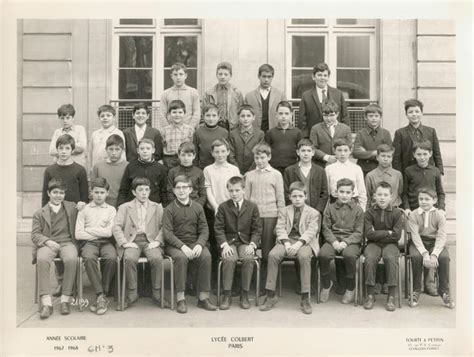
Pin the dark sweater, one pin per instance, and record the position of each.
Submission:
(284, 145)
(417, 177)
(153, 171)
(185, 224)
(364, 140)
(343, 222)
(202, 140)
(75, 179)
(197, 178)
(379, 221)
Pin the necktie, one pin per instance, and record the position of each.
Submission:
(324, 96)
(238, 206)
(332, 129)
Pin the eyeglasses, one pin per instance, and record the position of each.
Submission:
(181, 187)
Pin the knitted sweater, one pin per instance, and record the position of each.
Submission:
(202, 140)
(75, 179)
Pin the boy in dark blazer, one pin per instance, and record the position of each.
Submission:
(311, 111)
(134, 134)
(238, 231)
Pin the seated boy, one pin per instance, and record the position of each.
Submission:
(94, 227)
(238, 231)
(186, 233)
(343, 226)
(427, 225)
(137, 231)
(344, 168)
(175, 133)
(53, 235)
(66, 114)
(297, 236)
(383, 227)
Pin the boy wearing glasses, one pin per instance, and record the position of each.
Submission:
(325, 133)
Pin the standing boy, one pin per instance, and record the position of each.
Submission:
(264, 99)
(283, 139)
(180, 90)
(324, 134)
(238, 232)
(297, 236)
(186, 234)
(206, 134)
(383, 228)
(52, 234)
(94, 227)
(175, 133)
(227, 97)
(368, 139)
(66, 113)
(137, 231)
(244, 138)
(343, 226)
(134, 134)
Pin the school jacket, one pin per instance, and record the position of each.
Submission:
(234, 225)
(41, 227)
(309, 227)
(241, 154)
(322, 141)
(318, 185)
(126, 223)
(235, 100)
(131, 142)
(254, 99)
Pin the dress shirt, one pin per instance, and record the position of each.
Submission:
(141, 213)
(140, 132)
(264, 92)
(173, 135)
(95, 222)
(79, 134)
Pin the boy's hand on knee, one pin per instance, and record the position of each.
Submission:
(337, 246)
(434, 261)
(154, 244)
(187, 251)
(426, 260)
(197, 251)
(227, 251)
(343, 245)
(287, 247)
(51, 244)
(130, 245)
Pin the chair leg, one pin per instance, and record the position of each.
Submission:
(410, 271)
(163, 284)
(257, 284)
(318, 282)
(79, 285)
(406, 276)
(399, 283)
(172, 282)
(36, 297)
(124, 282)
(219, 267)
(279, 280)
(117, 288)
(356, 298)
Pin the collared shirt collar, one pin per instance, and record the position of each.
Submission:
(68, 130)
(138, 203)
(387, 171)
(178, 126)
(225, 86)
(413, 129)
(333, 124)
(248, 130)
(181, 204)
(421, 210)
(55, 208)
(184, 87)
(280, 127)
(370, 130)
(108, 130)
(339, 204)
(267, 169)
(93, 204)
(376, 206)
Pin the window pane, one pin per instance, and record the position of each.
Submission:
(135, 84)
(136, 51)
(354, 83)
(353, 51)
(139, 22)
(308, 21)
(307, 51)
(356, 22)
(181, 49)
(180, 22)
(190, 81)
(301, 80)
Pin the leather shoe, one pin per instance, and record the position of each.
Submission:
(348, 297)
(306, 306)
(390, 304)
(65, 308)
(46, 311)
(269, 303)
(225, 302)
(58, 291)
(181, 307)
(129, 302)
(244, 302)
(369, 302)
(157, 302)
(206, 305)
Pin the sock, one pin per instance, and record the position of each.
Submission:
(180, 295)
(304, 296)
(350, 284)
(271, 293)
(226, 293)
(203, 295)
(244, 293)
(370, 289)
(326, 280)
(392, 290)
(64, 298)
(46, 300)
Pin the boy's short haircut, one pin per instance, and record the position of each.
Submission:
(345, 182)
(234, 180)
(114, 139)
(424, 145)
(383, 184)
(297, 186)
(220, 142)
(176, 104)
(139, 106)
(385, 148)
(266, 68)
(187, 147)
(100, 182)
(208, 107)
(66, 109)
(56, 182)
(140, 181)
(413, 103)
(262, 148)
(224, 65)
(321, 67)
(106, 108)
(182, 179)
(372, 108)
(177, 66)
(66, 139)
(305, 142)
(285, 104)
(428, 191)
(329, 106)
(341, 142)
(146, 141)
(246, 107)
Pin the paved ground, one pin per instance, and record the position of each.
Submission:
(430, 313)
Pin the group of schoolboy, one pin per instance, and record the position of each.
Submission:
(201, 193)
